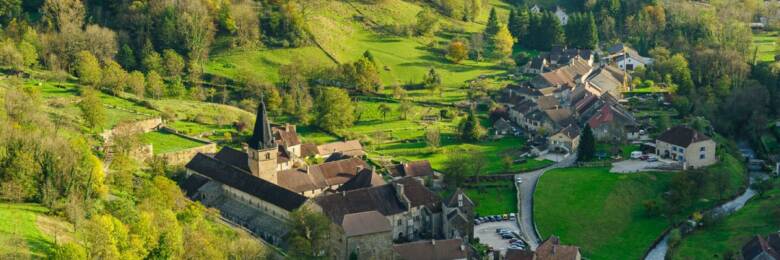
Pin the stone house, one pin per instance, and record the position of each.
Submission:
(447, 249)
(612, 122)
(626, 58)
(687, 146)
(366, 235)
(550, 249)
(418, 169)
(458, 210)
(566, 140)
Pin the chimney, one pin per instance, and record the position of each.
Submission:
(343, 193)
(462, 248)
(553, 249)
(433, 242)
(358, 168)
(307, 169)
(245, 147)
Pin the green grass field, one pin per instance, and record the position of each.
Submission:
(401, 59)
(734, 231)
(766, 43)
(501, 199)
(599, 211)
(164, 142)
(21, 235)
(62, 99)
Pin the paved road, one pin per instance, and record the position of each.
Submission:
(526, 192)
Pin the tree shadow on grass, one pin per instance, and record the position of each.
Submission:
(383, 39)
(40, 248)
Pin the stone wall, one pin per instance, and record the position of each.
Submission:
(184, 156)
(142, 126)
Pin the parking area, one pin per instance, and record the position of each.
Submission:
(486, 232)
(634, 165)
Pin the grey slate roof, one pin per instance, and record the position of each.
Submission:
(262, 136)
(682, 136)
(236, 178)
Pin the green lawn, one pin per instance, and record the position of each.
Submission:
(501, 199)
(766, 43)
(62, 99)
(492, 150)
(20, 237)
(734, 231)
(599, 211)
(164, 142)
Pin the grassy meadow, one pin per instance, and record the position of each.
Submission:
(599, 211)
(164, 142)
(25, 232)
(337, 30)
(494, 198)
(62, 100)
(766, 45)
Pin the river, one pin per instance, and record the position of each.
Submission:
(660, 250)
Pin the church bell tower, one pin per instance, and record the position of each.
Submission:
(262, 149)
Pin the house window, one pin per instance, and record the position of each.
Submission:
(400, 222)
(674, 148)
(702, 149)
(702, 156)
(268, 156)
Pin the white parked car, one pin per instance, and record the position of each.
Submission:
(636, 155)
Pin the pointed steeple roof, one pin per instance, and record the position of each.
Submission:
(262, 138)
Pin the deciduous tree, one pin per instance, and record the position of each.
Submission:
(309, 234)
(88, 68)
(92, 108)
(335, 109)
(458, 50)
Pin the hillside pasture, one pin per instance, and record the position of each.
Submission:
(25, 232)
(765, 45)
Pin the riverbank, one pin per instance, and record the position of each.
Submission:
(761, 215)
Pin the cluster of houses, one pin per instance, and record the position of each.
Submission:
(571, 89)
(371, 217)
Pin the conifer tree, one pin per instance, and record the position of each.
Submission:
(587, 145)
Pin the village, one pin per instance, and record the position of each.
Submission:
(397, 211)
(390, 129)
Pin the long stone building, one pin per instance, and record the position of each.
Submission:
(258, 187)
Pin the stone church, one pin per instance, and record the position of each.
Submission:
(258, 187)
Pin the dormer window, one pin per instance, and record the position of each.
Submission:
(268, 156)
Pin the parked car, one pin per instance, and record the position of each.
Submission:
(505, 217)
(513, 240)
(507, 236)
(644, 157)
(636, 155)
(652, 159)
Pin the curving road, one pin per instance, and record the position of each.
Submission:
(525, 192)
